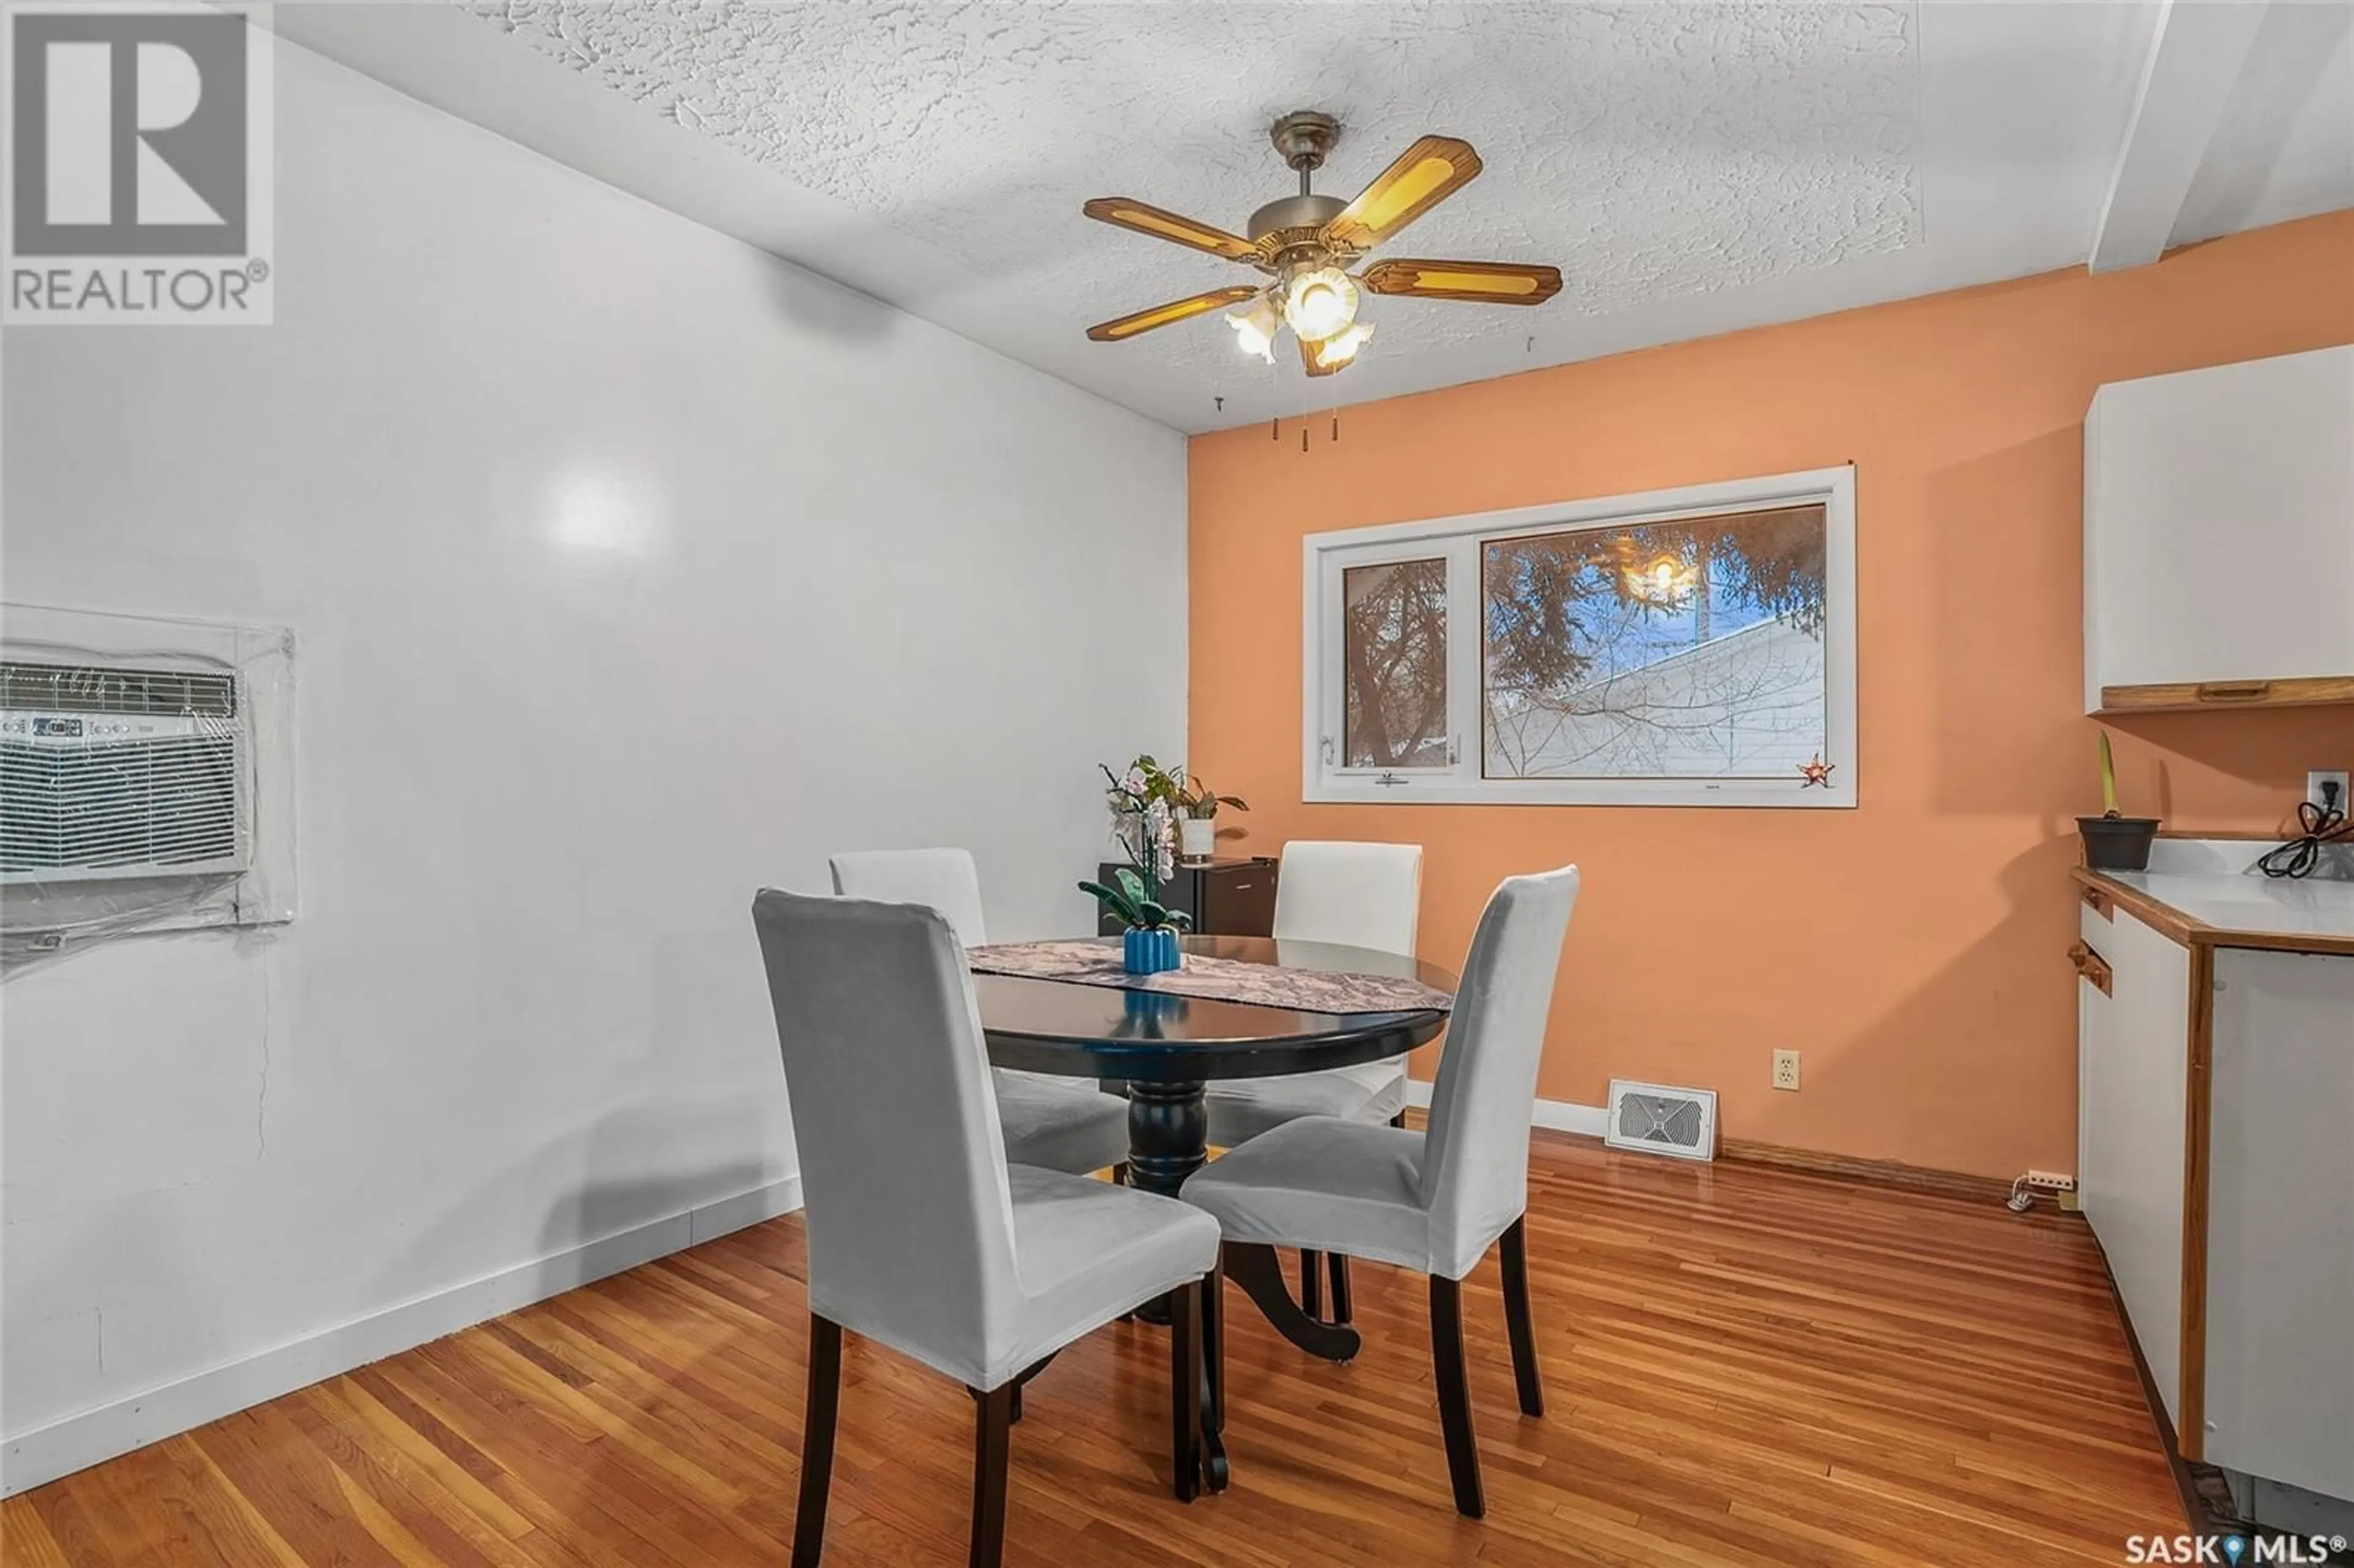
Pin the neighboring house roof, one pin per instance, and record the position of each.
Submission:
(1747, 704)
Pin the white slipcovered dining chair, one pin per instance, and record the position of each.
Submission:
(977, 1268)
(1432, 1201)
(1062, 1124)
(1359, 896)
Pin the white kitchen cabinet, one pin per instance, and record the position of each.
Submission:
(2215, 1034)
(2218, 536)
(2280, 1224)
(2132, 1092)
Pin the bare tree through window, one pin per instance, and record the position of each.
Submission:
(1692, 649)
(1395, 649)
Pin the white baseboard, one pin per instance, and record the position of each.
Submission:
(31, 1458)
(1559, 1116)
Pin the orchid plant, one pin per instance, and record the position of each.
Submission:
(1144, 803)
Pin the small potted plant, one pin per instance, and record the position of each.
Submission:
(2112, 842)
(1149, 944)
(1197, 814)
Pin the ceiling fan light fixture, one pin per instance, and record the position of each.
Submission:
(1342, 347)
(1306, 242)
(1320, 302)
(1255, 327)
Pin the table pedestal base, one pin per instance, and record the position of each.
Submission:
(1168, 1134)
(1168, 1140)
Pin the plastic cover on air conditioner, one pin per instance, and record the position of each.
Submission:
(146, 776)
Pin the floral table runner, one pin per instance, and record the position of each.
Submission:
(1212, 979)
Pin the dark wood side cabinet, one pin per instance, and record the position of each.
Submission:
(1225, 897)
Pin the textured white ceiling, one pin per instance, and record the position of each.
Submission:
(1692, 168)
(1783, 133)
(1780, 136)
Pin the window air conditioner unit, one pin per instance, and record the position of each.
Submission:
(108, 773)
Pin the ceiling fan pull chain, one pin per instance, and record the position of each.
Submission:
(1275, 428)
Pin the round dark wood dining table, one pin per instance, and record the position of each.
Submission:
(1169, 1049)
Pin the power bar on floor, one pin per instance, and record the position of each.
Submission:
(2050, 1181)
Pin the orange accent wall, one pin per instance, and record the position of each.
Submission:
(1914, 948)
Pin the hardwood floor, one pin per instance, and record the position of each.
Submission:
(1742, 1366)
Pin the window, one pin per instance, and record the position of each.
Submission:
(1394, 646)
(1691, 647)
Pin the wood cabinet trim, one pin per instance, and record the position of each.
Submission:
(2091, 966)
(2181, 929)
(2230, 835)
(2275, 941)
(2164, 920)
(2192, 696)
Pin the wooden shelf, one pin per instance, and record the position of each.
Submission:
(2192, 696)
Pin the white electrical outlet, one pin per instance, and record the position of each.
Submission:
(1786, 1069)
(2320, 777)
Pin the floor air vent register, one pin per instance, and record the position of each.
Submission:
(1658, 1118)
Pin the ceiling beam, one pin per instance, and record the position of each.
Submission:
(2195, 58)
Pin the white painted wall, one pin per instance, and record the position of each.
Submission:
(630, 570)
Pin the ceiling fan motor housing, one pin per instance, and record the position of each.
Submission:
(1289, 232)
(1289, 228)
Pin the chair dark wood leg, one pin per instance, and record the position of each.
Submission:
(817, 1440)
(1311, 1283)
(1019, 1383)
(1013, 1406)
(1525, 1370)
(1185, 1391)
(993, 1419)
(1455, 1395)
(1214, 1349)
(1343, 1309)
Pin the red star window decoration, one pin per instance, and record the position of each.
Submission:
(1816, 772)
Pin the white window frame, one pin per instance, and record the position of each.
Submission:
(1457, 540)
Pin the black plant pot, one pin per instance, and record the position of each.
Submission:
(2117, 843)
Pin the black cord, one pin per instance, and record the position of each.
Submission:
(2322, 825)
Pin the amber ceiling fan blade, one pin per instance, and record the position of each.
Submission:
(1145, 218)
(1174, 310)
(1479, 283)
(1424, 176)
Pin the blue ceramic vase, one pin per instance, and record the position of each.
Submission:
(1144, 952)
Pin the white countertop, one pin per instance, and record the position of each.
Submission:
(2201, 879)
(2252, 905)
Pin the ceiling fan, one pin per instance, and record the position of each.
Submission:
(1306, 243)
